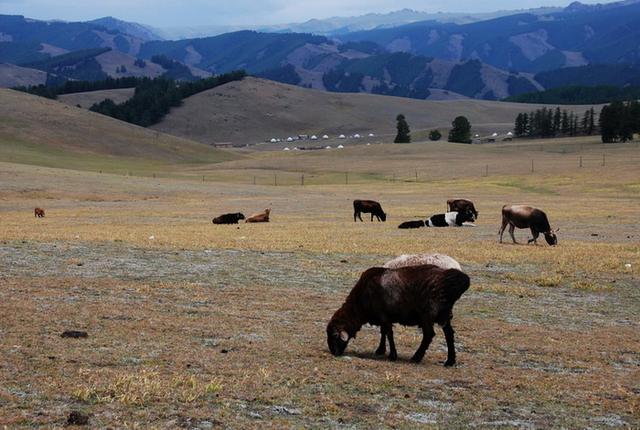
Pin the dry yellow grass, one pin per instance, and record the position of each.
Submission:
(195, 325)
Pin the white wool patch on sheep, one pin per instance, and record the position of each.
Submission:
(406, 260)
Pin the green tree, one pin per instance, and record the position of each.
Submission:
(404, 134)
(460, 131)
(435, 135)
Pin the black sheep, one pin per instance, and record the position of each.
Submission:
(411, 296)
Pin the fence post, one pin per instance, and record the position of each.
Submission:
(302, 180)
(581, 161)
(275, 180)
(202, 178)
(346, 178)
(416, 176)
(254, 180)
(603, 162)
(486, 171)
(532, 170)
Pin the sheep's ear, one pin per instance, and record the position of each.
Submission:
(344, 336)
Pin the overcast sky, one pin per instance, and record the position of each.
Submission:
(169, 13)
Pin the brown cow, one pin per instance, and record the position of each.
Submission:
(527, 217)
(260, 216)
(462, 205)
(39, 212)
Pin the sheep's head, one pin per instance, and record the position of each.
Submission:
(551, 237)
(240, 215)
(337, 339)
(383, 216)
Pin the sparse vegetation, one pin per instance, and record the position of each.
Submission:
(435, 135)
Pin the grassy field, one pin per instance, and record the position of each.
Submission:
(197, 326)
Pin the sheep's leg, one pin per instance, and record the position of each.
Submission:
(382, 348)
(451, 347)
(393, 354)
(427, 336)
(511, 230)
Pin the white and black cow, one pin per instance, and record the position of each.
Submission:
(450, 219)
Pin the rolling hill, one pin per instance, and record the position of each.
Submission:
(35, 130)
(15, 76)
(255, 110)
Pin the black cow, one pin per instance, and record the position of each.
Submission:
(368, 207)
(228, 218)
(411, 224)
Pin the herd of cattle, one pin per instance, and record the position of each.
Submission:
(463, 213)
(411, 290)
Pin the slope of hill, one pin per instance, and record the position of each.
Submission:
(35, 130)
(525, 42)
(142, 32)
(87, 99)
(255, 110)
(16, 76)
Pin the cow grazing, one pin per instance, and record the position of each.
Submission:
(522, 216)
(368, 207)
(411, 296)
(260, 216)
(228, 218)
(462, 205)
(411, 224)
(450, 219)
(38, 212)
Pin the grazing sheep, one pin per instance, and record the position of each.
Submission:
(411, 224)
(38, 212)
(260, 216)
(527, 217)
(406, 260)
(228, 218)
(411, 296)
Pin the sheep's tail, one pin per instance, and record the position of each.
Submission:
(457, 283)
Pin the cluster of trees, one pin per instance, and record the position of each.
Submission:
(619, 121)
(547, 122)
(579, 94)
(154, 98)
(460, 131)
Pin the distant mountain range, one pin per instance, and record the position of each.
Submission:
(455, 56)
(338, 25)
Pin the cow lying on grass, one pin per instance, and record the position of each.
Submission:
(450, 219)
(522, 216)
(368, 207)
(260, 216)
(228, 218)
(411, 296)
(411, 224)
